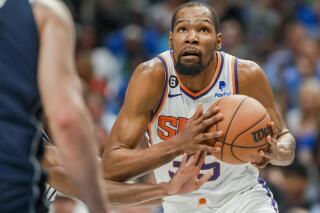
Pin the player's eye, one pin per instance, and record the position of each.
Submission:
(182, 29)
(204, 30)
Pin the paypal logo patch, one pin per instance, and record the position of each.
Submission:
(222, 85)
(222, 88)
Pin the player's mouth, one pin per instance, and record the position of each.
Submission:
(190, 54)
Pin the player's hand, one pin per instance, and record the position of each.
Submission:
(194, 137)
(186, 179)
(265, 156)
(274, 152)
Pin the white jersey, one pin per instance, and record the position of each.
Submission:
(177, 105)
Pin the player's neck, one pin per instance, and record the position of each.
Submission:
(196, 83)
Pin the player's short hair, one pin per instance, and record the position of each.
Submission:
(215, 18)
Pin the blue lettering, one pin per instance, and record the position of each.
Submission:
(215, 166)
(220, 95)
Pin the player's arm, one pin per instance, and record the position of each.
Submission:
(120, 194)
(253, 83)
(57, 174)
(61, 95)
(120, 159)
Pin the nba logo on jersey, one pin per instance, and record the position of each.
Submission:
(222, 85)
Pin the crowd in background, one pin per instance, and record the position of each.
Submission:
(283, 37)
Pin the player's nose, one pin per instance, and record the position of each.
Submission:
(192, 37)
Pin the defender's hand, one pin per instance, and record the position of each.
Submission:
(193, 137)
(186, 179)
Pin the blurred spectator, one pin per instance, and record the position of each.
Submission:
(263, 21)
(306, 65)
(285, 53)
(304, 121)
(294, 188)
(233, 39)
(103, 121)
(84, 67)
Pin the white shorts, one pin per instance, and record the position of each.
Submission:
(257, 199)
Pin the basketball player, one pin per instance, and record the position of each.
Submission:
(168, 97)
(36, 60)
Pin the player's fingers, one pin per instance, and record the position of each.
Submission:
(202, 125)
(198, 113)
(274, 129)
(191, 161)
(201, 159)
(211, 112)
(267, 155)
(184, 160)
(263, 162)
(204, 179)
(210, 136)
(212, 120)
(197, 156)
(272, 141)
(216, 149)
(209, 149)
(206, 148)
(199, 121)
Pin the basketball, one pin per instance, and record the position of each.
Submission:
(245, 125)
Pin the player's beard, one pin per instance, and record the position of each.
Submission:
(192, 69)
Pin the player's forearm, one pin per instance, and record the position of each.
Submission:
(125, 194)
(121, 163)
(59, 180)
(75, 140)
(119, 194)
(57, 174)
(286, 151)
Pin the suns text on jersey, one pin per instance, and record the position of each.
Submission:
(169, 126)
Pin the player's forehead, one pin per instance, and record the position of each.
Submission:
(194, 14)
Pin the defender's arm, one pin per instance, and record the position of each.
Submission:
(61, 96)
(124, 194)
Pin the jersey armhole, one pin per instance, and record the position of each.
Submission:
(235, 76)
(161, 102)
(164, 90)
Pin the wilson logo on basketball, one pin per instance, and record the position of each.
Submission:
(261, 134)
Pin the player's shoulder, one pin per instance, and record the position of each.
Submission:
(249, 70)
(151, 70)
(248, 67)
(151, 67)
(250, 77)
(147, 83)
(52, 11)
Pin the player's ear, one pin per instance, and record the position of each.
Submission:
(219, 41)
(170, 39)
